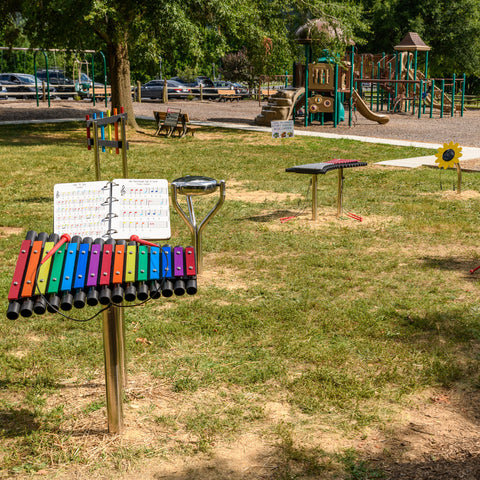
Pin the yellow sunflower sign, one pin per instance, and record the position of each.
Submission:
(448, 155)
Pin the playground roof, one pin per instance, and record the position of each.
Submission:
(309, 32)
(411, 43)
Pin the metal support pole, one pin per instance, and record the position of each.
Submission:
(350, 102)
(340, 192)
(442, 102)
(419, 100)
(432, 97)
(314, 196)
(453, 96)
(113, 325)
(113, 347)
(307, 57)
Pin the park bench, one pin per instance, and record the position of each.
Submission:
(224, 95)
(265, 93)
(169, 124)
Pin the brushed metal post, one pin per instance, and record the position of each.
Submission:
(340, 192)
(314, 196)
(113, 347)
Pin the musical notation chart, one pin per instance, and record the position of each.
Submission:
(117, 209)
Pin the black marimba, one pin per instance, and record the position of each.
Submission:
(322, 168)
(91, 272)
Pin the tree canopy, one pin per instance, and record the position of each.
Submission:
(193, 36)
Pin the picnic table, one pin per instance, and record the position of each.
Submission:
(171, 122)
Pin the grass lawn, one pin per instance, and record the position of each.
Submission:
(306, 340)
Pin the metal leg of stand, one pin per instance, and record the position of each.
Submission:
(340, 192)
(314, 196)
(113, 345)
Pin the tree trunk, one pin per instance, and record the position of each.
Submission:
(119, 68)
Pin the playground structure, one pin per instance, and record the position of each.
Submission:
(372, 85)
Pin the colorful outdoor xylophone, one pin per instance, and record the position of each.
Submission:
(86, 272)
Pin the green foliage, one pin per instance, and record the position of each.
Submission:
(452, 29)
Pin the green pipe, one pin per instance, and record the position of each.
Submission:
(389, 96)
(426, 71)
(463, 94)
(406, 78)
(371, 86)
(397, 68)
(378, 89)
(419, 101)
(306, 85)
(336, 110)
(350, 102)
(36, 80)
(432, 97)
(443, 98)
(415, 56)
(453, 96)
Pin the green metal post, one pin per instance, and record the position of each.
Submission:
(336, 109)
(407, 76)
(463, 94)
(350, 102)
(426, 74)
(443, 98)
(286, 78)
(419, 101)
(415, 85)
(371, 86)
(432, 95)
(453, 96)
(397, 71)
(306, 84)
(36, 80)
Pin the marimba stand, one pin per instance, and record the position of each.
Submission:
(322, 168)
(195, 186)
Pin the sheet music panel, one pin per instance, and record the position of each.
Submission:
(120, 208)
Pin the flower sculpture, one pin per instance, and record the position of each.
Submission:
(448, 155)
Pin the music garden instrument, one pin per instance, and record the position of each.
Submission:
(91, 272)
(322, 168)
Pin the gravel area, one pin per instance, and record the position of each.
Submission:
(463, 130)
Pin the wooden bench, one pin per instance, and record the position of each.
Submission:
(265, 93)
(224, 95)
(182, 127)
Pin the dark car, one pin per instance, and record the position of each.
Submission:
(154, 89)
(57, 78)
(21, 85)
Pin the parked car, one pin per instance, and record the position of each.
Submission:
(239, 89)
(208, 87)
(21, 85)
(154, 89)
(58, 79)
